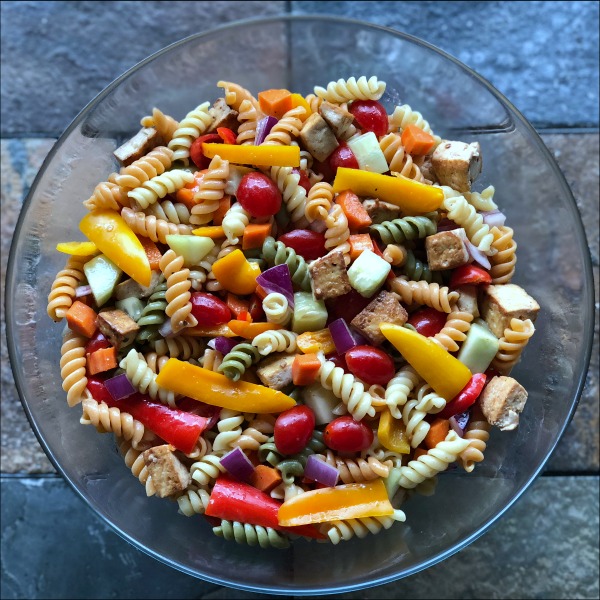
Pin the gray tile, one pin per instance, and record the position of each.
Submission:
(546, 547)
(515, 45)
(56, 56)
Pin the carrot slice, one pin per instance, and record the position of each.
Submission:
(255, 235)
(102, 360)
(265, 478)
(438, 430)
(275, 103)
(224, 206)
(82, 319)
(358, 217)
(305, 369)
(416, 141)
(152, 252)
(359, 242)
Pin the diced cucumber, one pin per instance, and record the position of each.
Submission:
(309, 314)
(236, 174)
(479, 348)
(321, 402)
(102, 275)
(193, 248)
(368, 272)
(368, 153)
(132, 306)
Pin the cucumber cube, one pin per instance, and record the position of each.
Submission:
(193, 248)
(321, 402)
(368, 272)
(102, 275)
(368, 153)
(479, 348)
(309, 314)
(132, 306)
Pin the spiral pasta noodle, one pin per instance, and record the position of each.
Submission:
(319, 201)
(478, 434)
(192, 126)
(173, 212)
(64, 285)
(183, 347)
(277, 309)
(398, 159)
(337, 232)
(151, 227)
(511, 344)
(417, 270)
(234, 222)
(399, 231)
(164, 124)
(414, 421)
(230, 430)
(72, 367)
(161, 185)
(461, 212)
(293, 194)
(275, 341)
(179, 307)
(351, 89)
(429, 401)
(286, 128)
(207, 469)
(211, 360)
(404, 115)
(356, 470)
(135, 462)
(210, 191)
(504, 261)
(250, 439)
(193, 501)
(155, 163)
(248, 117)
(399, 388)
(277, 253)
(155, 361)
(338, 531)
(395, 254)
(106, 195)
(421, 292)
(238, 359)
(252, 535)
(235, 95)
(314, 102)
(455, 329)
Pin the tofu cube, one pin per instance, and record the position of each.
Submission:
(223, 116)
(501, 402)
(467, 301)
(426, 167)
(139, 145)
(168, 473)
(129, 287)
(384, 308)
(276, 371)
(329, 276)
(457, 164)
(118, 327)
(380, 211)
(337, 118)
(502, 303)
(446, 250)
(317, 137)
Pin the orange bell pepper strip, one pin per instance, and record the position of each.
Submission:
(115, 239)
(219, 330)
(312, 342)
(266, 156)
(214, 232)
(215, 389)
(350, 501)
(299, 100)
(444, 373)
(392, 433)
(249, 330)
(77, 248)
(236, 274)
(412, 197)
(226, 135)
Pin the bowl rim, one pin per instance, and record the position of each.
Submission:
(587, 303)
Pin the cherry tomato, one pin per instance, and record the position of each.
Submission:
(344, 434)
(342, 156)
(469, 274)
(304, 180)
(323, 168)
(256, 310)
(259, 195)
(293, 429)
(370, 364)
(370, 116)
(466, 398)
(97, 388)
(347, 306)
(339, 360)
(97, 342)
(196, 153)
(209, 310)
(309, 244)
(427, 321)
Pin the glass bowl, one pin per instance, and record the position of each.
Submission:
(298, 53)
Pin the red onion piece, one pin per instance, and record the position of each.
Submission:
(166, 329)
(222, 344)
(83, 290)
(446, 225)
(318, 470)
(119, 387)
(493, 218)
(263, 129)
(343, 337)
(477, 255)
(278, 280)
(238, 464)
(459, 422)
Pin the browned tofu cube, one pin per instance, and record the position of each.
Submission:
(467, 301)
(317, 138)
(129, 287)
(223, 116)
(118, 327)
(457, 164)
(276, 371)
(502, 303)
(329, 276)
(168, 473)
(139, 145)
(426, 167)
(380, 211)
(446, 250)
(337, 118)
(384, 308)
(501, 402)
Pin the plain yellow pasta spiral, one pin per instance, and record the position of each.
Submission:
(107, 195)
(337, 232)
(164, 124)
(294, 195)
(248, 118)
(151, 227)
(398, 159)
(511, 344)
(179, 307)
(235, 95)
(155, 163)
(352, 89)
(210, 191)
(72, 367)
(505, 259)
(63, 287)
(461, 212)
(455, 329)
(478, 433)
(193, 125)
(421, 292)
(286, 128)
(404, 115)
(161, 185)
(319, 201)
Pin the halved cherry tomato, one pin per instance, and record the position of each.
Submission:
(466, 398)
(342, 156)
(370, 115)
(259, 195)
(339, 360)
(469, 274)
(309, 244)
(371, 365)
(344, 434)
(98, 390)
(97, 342)
(196, 153)
(293, 429)
(427, 321)
(209, 310)
(304, 180)
(256, 309)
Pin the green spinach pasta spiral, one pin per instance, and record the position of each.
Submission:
(153, 314)
(277, 253)
(236, 362)
(244, 533)
(416, 270)
(403, 230)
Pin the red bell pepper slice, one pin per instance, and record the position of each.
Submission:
(466, 398)
(236, 501)
(99, 391)
(226, 135)
(469, 274)
(427, 321)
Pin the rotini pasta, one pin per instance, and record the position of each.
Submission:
(179, 307)
(151, 227)
(294, 195)
(338, 531)
(455, 329)
(398, 159)
(248, 117)
(351, 89)
(421, 292)
(504, 261)
(319, 201)
(461, 212)
(155, 163)
(238, 360)
(64, 285)
(275, 341)
(164, 124)
(286, 128)
(276, 253)
(478, 434)
(407, 229)
(161, 185)
(253, 535)
(404, 115)
(106, 195)
(338, 232)
(210, 191)
(512, 344)
(193, 125)
(234, 222)
(277, 309)
(72, 367)
(399, 388)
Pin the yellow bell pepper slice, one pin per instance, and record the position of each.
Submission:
(249, 330)
(267, 156)
(444, 373)
(77, 248)
(299, 100)
(350, 501)
(214, 232)
(392, 433)
(312, 342)
(412, 197)
(213, 388)
(219, 330)
(236, 274)
(115, 239)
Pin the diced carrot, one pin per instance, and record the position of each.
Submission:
(255, 235)
(419, 452)
(102, 360)
(265, 478)
(275, 103)
(438, 430)
(260, 292)
(227, 135)
(152, 252)
(358, 217)
(416, 141)
(250, 330)
(359, 242)
(236, 305)
(214, 232)
(82, 319)
(186, 194)
(305, 369)
(224, 206)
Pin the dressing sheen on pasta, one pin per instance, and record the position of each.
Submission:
(232, 395)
